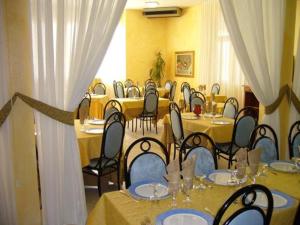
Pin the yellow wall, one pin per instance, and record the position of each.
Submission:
(297, 26)
(21, 117)
(144, 38)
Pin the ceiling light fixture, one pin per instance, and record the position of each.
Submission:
(151, 4)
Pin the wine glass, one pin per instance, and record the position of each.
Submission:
(253, 171)
(187, 186)
(200, 179)
(173, 188)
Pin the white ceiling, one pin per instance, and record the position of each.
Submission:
(140, 4)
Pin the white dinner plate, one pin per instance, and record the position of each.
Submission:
(149, 190)
(220, 122)
(284, 166)
(190, 117)
(94, 131)
(280, 200)
(209, 115)
(97, 122)
(223, 177)
(184, 217)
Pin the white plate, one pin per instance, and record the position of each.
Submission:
(209, 115)
(94, 131)
(223, 177)
(278, 200)
(190, 117)
(146, 189)
(283, 166)
(97, 122)
(220, 122)
(184, 217)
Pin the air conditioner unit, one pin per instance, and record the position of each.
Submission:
(162, 12)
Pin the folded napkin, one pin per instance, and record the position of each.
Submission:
(254, 159)
(83, 113)
(188, 167)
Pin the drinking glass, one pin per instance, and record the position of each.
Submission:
(297, 162)
(187, 186)
(173, 188)
(253, 171)
(201, 185)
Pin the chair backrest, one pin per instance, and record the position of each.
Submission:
(168, 85)
(120, 89)
(264, 137)
(176, 123)
(249, 213)
(99, 89)
(183, 84)
(115, 88)
(231, 108)
(133, 91)
(196, 98)
(148, 163)
(186, 91)
(149, 81)
(85, 103)
(245, 123)
(294, 140)
(112, 141)
(151, 103)
(201, 145)
(172, 91)
(215, 89)
(128, 83)
(111, 107)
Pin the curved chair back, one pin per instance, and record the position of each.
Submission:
(264, 137)
(176, 123)
(147, 163)
(245, 123)
(196, 98)
(112, 141)
(168, 85)
(201, 145)
(186, 95)
(150, 85)
(183, 84)
(111, 107)
(115, 88)
(84, 105)
(151, 103)
(231, 108)
(215, 89)
(99, 89)
(294, 140)
(133, 91)
(249, 213)
(172, 91)
(128, 83)
(120, 90)
(149, 81)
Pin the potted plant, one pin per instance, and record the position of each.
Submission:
(157, 71)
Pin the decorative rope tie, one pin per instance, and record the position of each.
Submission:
(48, 110)
(285, 90)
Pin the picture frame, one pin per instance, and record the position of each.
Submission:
(184, 63)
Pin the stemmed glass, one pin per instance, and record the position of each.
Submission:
(173, 188)
(187, 186)
(201, 185)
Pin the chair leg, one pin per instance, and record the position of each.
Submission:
(132, 122)
(143, 126)
(136, 124)
(99, 185)
(118, 178)
(174, 156)
(156, 125)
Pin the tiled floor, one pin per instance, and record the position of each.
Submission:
(92, 193)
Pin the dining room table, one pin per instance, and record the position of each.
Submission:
(98, 103)
(121, 207)
(219, 128)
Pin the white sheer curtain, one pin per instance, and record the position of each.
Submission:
(69, 41)
(218, 62)
(294, 114)
(7, 189)
(256, 30)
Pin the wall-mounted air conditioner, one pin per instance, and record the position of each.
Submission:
(162, 12)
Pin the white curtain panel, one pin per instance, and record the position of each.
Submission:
(256, 30)
(69, 38)
(218, 62)
(294, 115)
(7, 189)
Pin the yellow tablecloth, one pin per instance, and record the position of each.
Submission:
(133, 107)
(89, 144)
(98, 103)
(219, 133)
(218, 98)
(116, 208)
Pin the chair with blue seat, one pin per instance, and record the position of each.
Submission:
(176, 126)
(111, 107)
(84, 104)
(196, 98)
(149, 162)
(264, 137)
(245, 122)
(168, 85)
(128, 83)
(201, 145)
(186, 91)
(172, 91)
(231, 108)
(133, 91)
(111, 150)
(248, 213)
(294, 140)
(120, 89)
(215, 89)
(99, 89)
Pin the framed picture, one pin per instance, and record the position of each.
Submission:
(184, 64)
